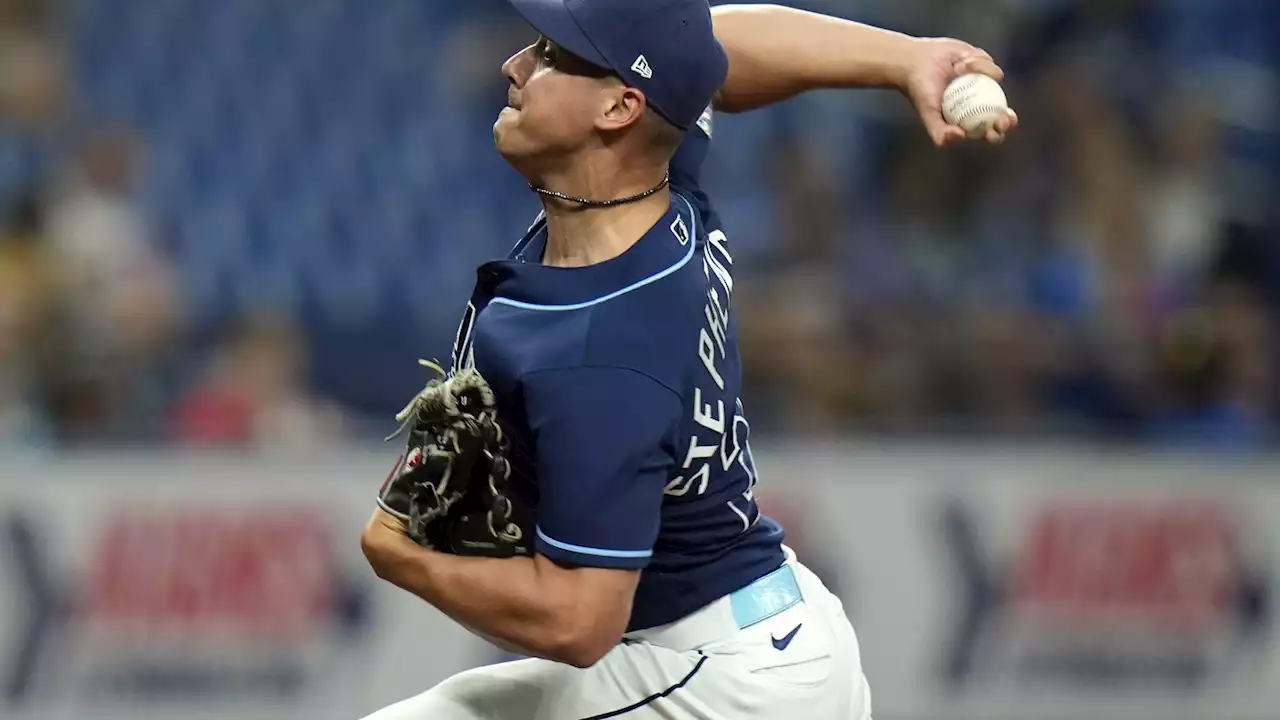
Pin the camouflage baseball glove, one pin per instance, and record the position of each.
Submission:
(450, 486)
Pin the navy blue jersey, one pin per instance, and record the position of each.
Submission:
(619, 385)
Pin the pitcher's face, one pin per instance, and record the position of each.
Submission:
(553, 103)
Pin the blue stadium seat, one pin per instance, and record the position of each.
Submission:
(313, 147)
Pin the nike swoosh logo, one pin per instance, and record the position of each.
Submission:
(785, 640)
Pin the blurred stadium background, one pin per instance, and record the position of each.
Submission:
(1023, 404)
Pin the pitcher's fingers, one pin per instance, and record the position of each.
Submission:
(940, 132)
(1007, 123)
(947, 135)
(983, 65)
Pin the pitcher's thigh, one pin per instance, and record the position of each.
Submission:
(639, 681)
(635, 680)
(507, 691)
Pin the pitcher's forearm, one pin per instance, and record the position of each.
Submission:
(777, 52)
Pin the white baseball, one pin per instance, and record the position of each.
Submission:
(973, 102)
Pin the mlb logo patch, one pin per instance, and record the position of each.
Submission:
(704, 122)
(679, 229)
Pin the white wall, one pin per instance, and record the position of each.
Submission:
(984, 583)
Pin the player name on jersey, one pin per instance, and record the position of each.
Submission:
(725, 440)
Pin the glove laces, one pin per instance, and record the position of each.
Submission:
(406, 416)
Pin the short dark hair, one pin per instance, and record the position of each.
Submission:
(664, 137)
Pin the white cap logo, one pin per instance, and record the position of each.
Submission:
(641, 66)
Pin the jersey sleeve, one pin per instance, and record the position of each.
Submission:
(605, 444)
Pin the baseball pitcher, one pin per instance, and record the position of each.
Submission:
(578, 486)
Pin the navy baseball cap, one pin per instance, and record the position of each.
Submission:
(667, 49)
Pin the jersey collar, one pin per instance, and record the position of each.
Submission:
(522, 281)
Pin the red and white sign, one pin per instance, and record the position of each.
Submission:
(983, 585)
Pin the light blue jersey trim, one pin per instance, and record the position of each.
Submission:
(594, 551)
(617, 293)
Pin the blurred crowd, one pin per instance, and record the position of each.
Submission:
(1113, 271)
(93, 344)
(94, 348)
